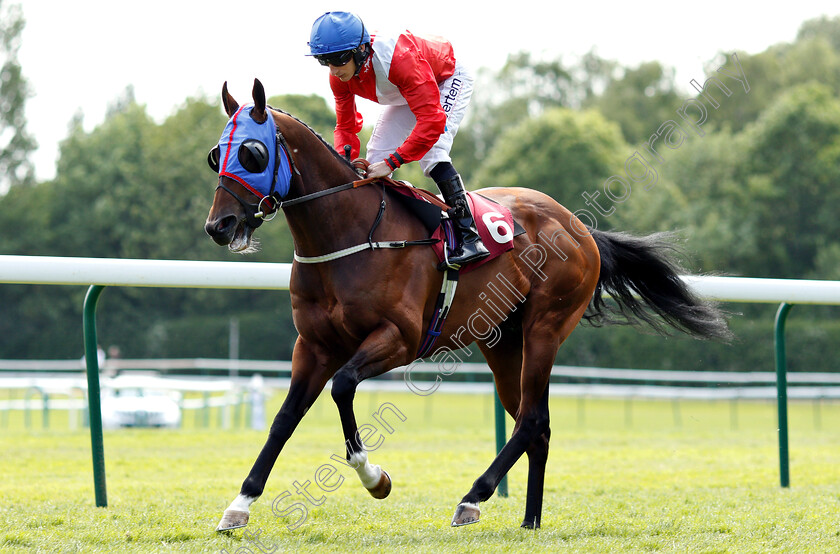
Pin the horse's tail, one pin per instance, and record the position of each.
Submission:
(642, 277)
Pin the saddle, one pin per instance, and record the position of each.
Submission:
(494, 222)
(495, 226)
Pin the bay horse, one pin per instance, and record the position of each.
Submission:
(361, 315)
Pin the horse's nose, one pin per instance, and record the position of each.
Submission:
(220, 228)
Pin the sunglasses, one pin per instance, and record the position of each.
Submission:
(253, 156)
(336, 59)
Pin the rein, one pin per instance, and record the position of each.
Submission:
(326, 192)
(370, 244)
(256, 213)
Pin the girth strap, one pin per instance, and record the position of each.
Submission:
(444, 302)
(361, 247)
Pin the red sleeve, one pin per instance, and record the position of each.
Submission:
(413, 75)
(348, 121)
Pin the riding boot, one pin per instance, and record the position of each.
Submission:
(470, 247)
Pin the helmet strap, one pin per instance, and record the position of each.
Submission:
(360, 57)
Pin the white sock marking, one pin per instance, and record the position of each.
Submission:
(242, 503)
(368, 474)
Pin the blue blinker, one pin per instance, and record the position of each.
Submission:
(249, 153)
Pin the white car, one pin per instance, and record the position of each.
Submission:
(140, 407)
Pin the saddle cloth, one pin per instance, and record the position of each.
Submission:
(494, 222)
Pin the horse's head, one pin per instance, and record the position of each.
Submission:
(254, 172)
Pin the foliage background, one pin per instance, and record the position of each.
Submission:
(755, 196)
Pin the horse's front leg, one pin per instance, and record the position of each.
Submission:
(308, 380)
(383, 350)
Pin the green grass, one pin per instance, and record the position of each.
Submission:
(621, 477)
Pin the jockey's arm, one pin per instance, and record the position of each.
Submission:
(348, 121)
(416, 82)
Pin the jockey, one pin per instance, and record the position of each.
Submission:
(425, 92)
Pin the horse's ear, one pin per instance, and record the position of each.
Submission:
(228, 102)
(258, 113)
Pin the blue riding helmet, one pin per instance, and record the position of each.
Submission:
(337, 32)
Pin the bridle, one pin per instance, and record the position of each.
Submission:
(255, 212)
(268, 206)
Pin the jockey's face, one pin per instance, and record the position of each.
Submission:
(347, 71)
(344, 72)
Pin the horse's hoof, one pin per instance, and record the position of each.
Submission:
(465, 514)
(530, 524)
(232, 519)
(383, 487)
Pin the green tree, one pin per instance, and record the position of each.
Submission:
(795, 148)
(704, 194)
(522, 88)
(542, 82)
(813, 57)
(640, 100)
(562, 153)
(311, 109)
(15, 142)
(825, 27)
(760, 203)
(132, 188)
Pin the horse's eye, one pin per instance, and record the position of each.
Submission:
(213, 158)
(253, 155)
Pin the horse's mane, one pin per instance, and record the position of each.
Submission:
(329, 146)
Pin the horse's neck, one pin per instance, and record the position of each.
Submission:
(333, 222)
(328, 223)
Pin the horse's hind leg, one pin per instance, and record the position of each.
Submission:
(505, 360)
(380, 352)
(532, 419)
(537, 458)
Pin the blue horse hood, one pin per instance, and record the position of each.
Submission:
(242, 127)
